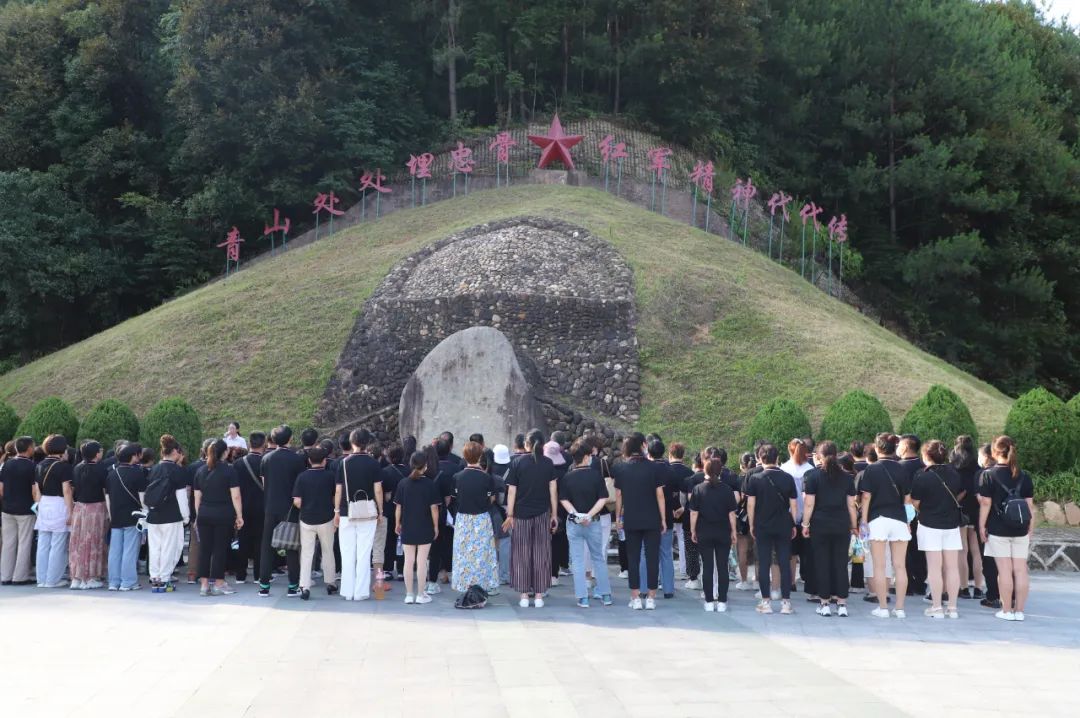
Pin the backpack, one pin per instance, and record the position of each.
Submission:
(157, 493)
(1013, 509)
(475, 597)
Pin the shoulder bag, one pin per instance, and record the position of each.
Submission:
(359, 509)
(909, 510)
(965, 520)
(251, 472)
(286, 535)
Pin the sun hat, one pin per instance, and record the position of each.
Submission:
(553, 451)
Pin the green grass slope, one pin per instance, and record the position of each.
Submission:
(722, 329)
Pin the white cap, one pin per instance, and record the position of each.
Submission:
(502, 454)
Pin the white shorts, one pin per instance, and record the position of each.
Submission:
(939, 539)
(885, 529)
(1007, 546)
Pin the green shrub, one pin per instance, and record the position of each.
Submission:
(1062, 487)
(1046, 431)
(941, 414)
(50, 416)
(1074, 404)
(856, 416)
(778, 422)
(173, 416)
(9, 422)
(109, 421)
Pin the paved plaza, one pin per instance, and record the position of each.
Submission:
(68, 653)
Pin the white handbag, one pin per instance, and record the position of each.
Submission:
(359, 509)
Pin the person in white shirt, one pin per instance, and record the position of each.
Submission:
(232, 437)
(799, 451)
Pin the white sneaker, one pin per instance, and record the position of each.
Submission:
(92, 584)
(650, 604)
(524, 603)
(76, 586)
(554, 580)
(757, 595)
(786, 609)
(624, 574)
(538, 602)
(743, 586)
(409, 598)
(721, 607)
(635, 603)
(1005, 615)
(692, 585)
(423, 598)
(824, 610)
(764, 606)
(774, 595)
(899, 613)
(880, 613)
(841, 611)
(1017, 616)
(710, 607)
(432, 588)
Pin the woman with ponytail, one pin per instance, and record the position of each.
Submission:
(712, 529)
(1005, 527)
(829, 521)
(936, 492)
(531, 518)
(965, 460)
(417, 517)
(219, 513)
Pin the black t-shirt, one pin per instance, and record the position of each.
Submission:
(169, 511)
(860, 465)
(89, 483)
(280, 467)
(216, 500)
(830, 500)
(886, 482)
(637, 479)
(52, 474)
(391, 476)
(251, 484)
(990, 486)
(714, 505)
(18, 476)
(583, 488)
(970, 477)
(672, 486)
(473, 489)
(123, 484)
(315, 489)
(363, 473)
(533, 478)
(772, 490)
(416, 497)
(937, 509)
(911, 467)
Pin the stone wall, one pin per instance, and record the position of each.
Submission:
(564, 298)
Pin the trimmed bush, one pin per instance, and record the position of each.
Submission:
(108, 421)
(9, 422)
(1074, 404)
(778, 422)
(942, 415)
(856, 416)
(50, 416)
(1046, 431)
(173, 416)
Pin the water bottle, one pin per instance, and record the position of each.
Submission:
(400, 547)
(622, 534)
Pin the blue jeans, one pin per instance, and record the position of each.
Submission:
(592, 535)
(52, 557)
(123, 557)
(504, 560)
(667, 562)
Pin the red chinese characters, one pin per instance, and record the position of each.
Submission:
(232, 245)
(327, 203)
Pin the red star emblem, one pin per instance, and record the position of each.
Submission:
(555, 145)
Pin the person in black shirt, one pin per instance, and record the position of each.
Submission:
(745, 544)
(936, 493)
(712, 529)
(165, 521)
(17, 490)
(218, 514)
(908, 451)
(583, 494)
(772, 507)
(89, 520)
(829, 521)
(55, 503)
(125, 483)
(673, 486)
(531, 517)
(1007, 540)
(359, 478)
(392, 474)
(884, 490)
(475, 561)
(249, 475)
(192, 470)
(315, 495)
(417, 507)
(560, 546)
(441, 558)
(858, 455)
(965, 459)
(280, 467)
(689, 565)
(640, 505)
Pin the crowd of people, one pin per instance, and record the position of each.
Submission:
(894, 519)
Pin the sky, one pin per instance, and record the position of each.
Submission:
(1061, 8)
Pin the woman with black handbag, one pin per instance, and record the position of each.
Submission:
(475, 562)
(936, 492)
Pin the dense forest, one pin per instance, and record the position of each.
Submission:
(133, 133)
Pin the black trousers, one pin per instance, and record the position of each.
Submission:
(781, 544)
(624, 565)
(390, 558)
(560, 551)
(266, 563)
(990, 575)
(916, 563)
(830, 563)
(693, 561)
(250, 538)
(858, 577)
(215, 535)
(441, 557)
(649, 539)
(714, 552)
(801, 547)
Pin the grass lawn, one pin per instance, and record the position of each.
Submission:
(722, 329)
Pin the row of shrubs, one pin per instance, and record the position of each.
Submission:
(108, 421)
(1046, 429)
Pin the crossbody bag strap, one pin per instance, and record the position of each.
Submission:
(48, 471)
(951, 494)
(116, 468)
(893, 482)
(784, 506)
(251, 473)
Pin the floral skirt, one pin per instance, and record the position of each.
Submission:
(87, 550)
(475, 562)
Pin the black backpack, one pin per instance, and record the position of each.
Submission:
(157, 493)
(475, 597)
(1013, 509)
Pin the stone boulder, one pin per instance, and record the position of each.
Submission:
(470, 382)
(1055, 516)
(1072, 514)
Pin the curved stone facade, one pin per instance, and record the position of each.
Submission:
(564, 298)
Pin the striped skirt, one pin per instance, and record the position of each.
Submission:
(530, 554)
(89, 524)
(474, 562)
